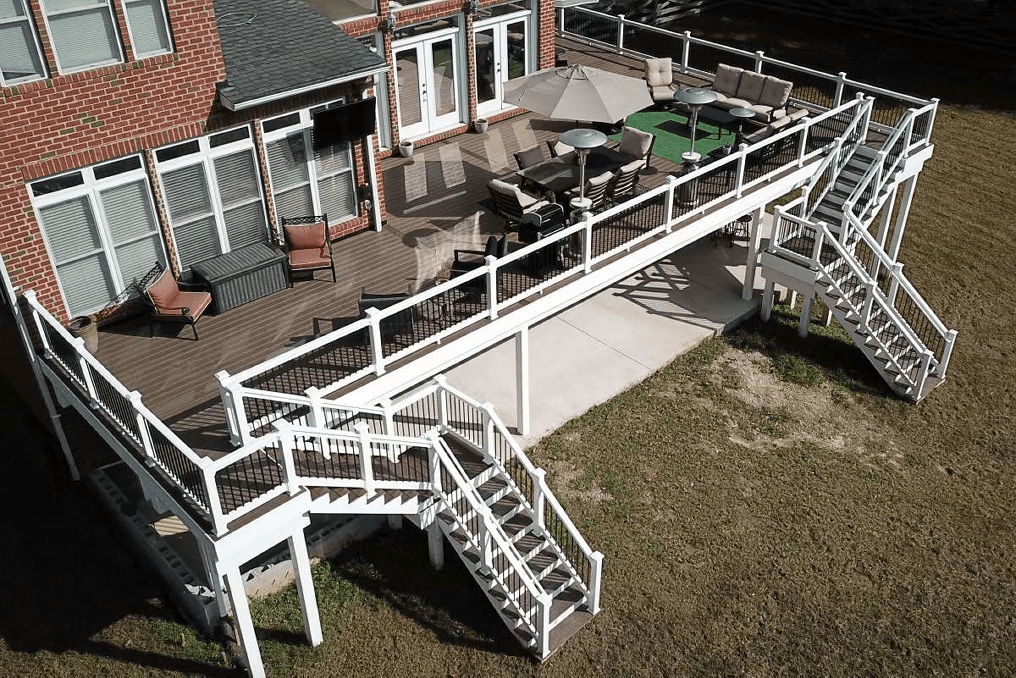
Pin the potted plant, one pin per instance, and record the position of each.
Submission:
(406, 149)
(87, 328)
(480, 125)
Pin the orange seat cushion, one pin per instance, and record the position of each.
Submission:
(311, 236)
(197, 302)
(164, 291)
(310, 258)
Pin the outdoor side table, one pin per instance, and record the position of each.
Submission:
(243, 275)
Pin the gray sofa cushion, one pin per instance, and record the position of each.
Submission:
(775, 92)
(727, 79)
(750, 88)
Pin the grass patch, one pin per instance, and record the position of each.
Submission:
(796, 370)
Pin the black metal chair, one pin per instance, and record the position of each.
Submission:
(171, 301)
(308, 244)
(625, 183)
(401, 323)
(511, 202)
(529, 157)
(596, 191)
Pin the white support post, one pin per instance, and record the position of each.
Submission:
(587, 243)
(522, 380)
(767, 300)
(685, 49)
(376, 346)
(389, 416)
(483, 539)
(751, 263)
(543, 624)
(741, 162)
(539, 498)
(759, 57)
(488, 431)
(883, 230)
(435, 545)
(86, 372)
(894, 284)
(901, 218)
(620, 33)
(394, 522)
(305, 588)
(805, 320)
(442, 402)
(244, 624)
(950, 340)
(491, 262)
(142, 424)
(208, 560)
(434, 468)
(286, 441)
(793, 298)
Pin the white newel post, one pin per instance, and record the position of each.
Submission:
(316, 413)
(841, 82)
(950, 339)
(366, 467)
(816, 251)
(805, 319)
(236, 419)
(376, 347)
(742, 161)
(767, 300)
(86, 372)
(434, 468)
(491, 262)
(389, 416)
(483, 539)
(442, 405)
(685, 49)
(759, 58)
(894, 284)
(522, 379)
(620, 33)
(286, 440)
(587, 243)
(922, 377)
(595, 581)
(305, 587)
(539, 498)
(488, 431)
(214, 505)
(245, 634)
(668, 206)
(869, 302)
(543, 604)
(751, 263)
(142, 424)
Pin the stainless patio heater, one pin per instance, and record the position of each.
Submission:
(582, 139)
(695, 98)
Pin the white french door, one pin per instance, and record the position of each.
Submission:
(502, 53)
(426, 84)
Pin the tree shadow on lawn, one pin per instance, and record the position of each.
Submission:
(65, 577)
(394, 567)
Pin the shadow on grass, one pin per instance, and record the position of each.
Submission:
(394, 567)
(64, 577)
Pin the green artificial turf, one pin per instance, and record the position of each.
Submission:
(671, 132)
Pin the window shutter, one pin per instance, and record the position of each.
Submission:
(147, 23)
(84, 38)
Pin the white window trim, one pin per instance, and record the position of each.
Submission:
(307, 123)
(130, 31)
(89, 190)
(206, 155)
(30, 20)
(56, 53)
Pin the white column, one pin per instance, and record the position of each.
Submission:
(522, 379)
(767, 300)
(754, 242)
(244, 624)
(394, 521)
(207, 552)
(901, 218)
(805, 321)
(435, 545)
(305, 587)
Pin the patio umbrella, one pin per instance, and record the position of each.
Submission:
(579, 93)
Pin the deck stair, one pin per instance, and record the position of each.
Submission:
(822, 246)
(474, 487)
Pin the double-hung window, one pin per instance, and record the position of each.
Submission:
(305, 180)
(148, 27)
(20, 56)
(83, 33)
(213, 194)
(100, 227)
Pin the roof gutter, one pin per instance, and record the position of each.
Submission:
(244, 105)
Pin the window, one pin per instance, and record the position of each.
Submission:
(304, 180)
(148, 27)
(213, 194)
(83, 33)
(99, 224)
(20, 56)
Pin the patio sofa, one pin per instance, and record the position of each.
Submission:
(766, 95)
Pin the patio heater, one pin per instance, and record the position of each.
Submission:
(582, 140)
(695, 98)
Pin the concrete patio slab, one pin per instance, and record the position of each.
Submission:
(615, 339)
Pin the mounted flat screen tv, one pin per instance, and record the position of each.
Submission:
(344, 123)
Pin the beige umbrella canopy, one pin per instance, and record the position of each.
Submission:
(579, 93)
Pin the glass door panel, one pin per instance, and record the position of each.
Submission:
(445, 101)
(427, 86)
(486, 70)
(501, 54)
(409, 87)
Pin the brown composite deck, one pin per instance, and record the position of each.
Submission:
(433, 202)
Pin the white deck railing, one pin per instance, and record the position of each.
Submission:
(813, 89)
(360, 349)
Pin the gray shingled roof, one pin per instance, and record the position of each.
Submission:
(275, 46)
